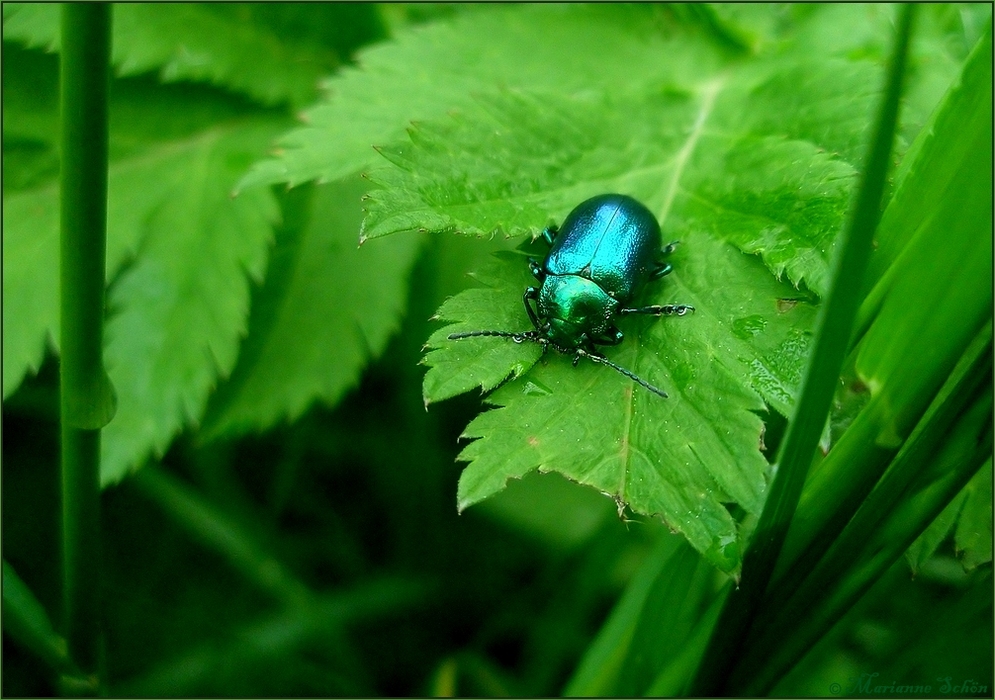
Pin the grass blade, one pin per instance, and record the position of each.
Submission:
(833, 332)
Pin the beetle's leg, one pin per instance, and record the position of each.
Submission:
(549, 233)
(656, 310)
(610, 336)
(537, 269)
(585, 347)
(533, 294)
(663, 268)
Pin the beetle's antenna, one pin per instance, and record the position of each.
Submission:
(517, 337)
(622, 370)
(580, 352)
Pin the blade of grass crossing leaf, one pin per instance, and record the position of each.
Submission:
(915, 341)
(87, 398)
(929, 174)
(832, 336)
(847, 475)
(792, 596)
(801, 624)
(911, 347)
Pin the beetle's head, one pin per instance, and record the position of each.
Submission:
(562, 332)
(574, 308)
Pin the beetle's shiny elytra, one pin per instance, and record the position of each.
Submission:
(607, 249)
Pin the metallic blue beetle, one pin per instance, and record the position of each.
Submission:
(605, 252)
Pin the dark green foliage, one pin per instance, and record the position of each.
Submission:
(281, 514)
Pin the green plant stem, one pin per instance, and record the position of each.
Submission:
(86, 399)
(832, 335)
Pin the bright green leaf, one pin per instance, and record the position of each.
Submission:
(31, 281)
(523, 47)
(176, 314)
(327, 308)
(456, 368)
(725, 158)
(747, 339)
(431, 69)
(759, 154)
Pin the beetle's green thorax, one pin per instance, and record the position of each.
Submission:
(574, 308)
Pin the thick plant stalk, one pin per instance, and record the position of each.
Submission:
(87, 399)
(833, 332)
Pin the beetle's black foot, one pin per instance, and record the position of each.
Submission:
(669, 248)
(661, 270)
(537, 270)
(656, 310)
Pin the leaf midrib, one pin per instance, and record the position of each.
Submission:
(709, 94)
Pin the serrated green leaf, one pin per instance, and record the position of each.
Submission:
(744, 342)
(726, 158)
(431, 69)
(30, 281)
(31, 255)
(455, 368)
(328, 307)
(223, 44)
(177, 313)
(758, 154)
